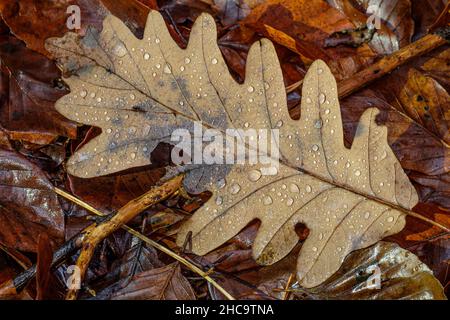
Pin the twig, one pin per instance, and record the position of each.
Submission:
(288, 284)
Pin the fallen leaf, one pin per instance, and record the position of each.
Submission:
(165, 283)
(28, 205)
(34, 21)
(425, 13)
(361, 193)
(392, 20)
(438, 67)
(304, 27)
(428, 103)
(402, 275)
(28, 95)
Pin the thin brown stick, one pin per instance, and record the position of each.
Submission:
(287, 293)
(94, 236)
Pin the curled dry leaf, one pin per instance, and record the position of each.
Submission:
(402, 275)
(348, 198)
(28, 205)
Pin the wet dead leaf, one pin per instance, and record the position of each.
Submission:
(28, 95)
(28, 205)
(143, 89)
(165, 283)
(402, 274)
(392, 20)
(34, 21)
(305, 26)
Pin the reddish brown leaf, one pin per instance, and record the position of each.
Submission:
(304, 26)
(43, 267)
(29, 88)
(34, 21)
(396, 24)
(165, 283)
(425, 13)
(28, 206)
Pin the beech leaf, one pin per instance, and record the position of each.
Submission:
(139, 90)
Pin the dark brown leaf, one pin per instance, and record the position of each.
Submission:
(165, 283)
(30, 86)
(28, 205)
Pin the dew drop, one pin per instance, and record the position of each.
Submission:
(167, 68)
(133, 155)
(357, 173)
(182, 68)
(327, 111)
(132, 130)
(294, 188)
(319, 71)
(219, 200)
(339, 249)
(318, 124)
(321, 236)
(132, 96)
(322, 98)
(146, 56)
(187, 60)
(279, 124)
(157, 40)
(250, 89)
(120, 50)
(289, 202)
(308, 100)
(235, 188)
(221, 183)
(254, 175)
(214, 61)
(83, 93)
(366, 215)
(109, 130)
(308, 189)
(390, 219)
(267, 200)
(314, 249)
(99, 99)
(315, 147)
